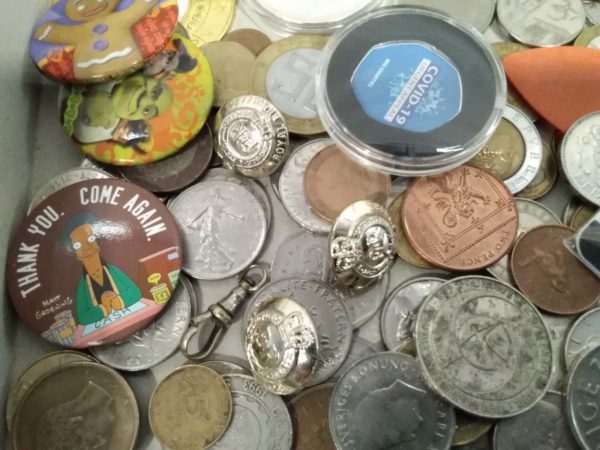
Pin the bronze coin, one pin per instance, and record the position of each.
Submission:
(462, 220)
(333, 181)
(254, 40)
(469, 428)
(310, 415)
(549, 275)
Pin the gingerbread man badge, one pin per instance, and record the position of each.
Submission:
(89, 41)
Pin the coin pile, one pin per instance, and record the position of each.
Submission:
(274, 287)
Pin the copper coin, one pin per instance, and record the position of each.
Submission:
(549, 275)
(254, 40)
(333, 181)
(310, 415)
(462, 220)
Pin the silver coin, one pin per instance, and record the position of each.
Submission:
(570, 210)
(583, 335)
(478, 13)
(580, 157)
(359, 349)
(583, 400)
(400, 310)
(65, 179)
(223, 227)
(153, 344)
(542, 23)
(542, 427)
(226, 367)
(88, 163)
(363, 304)
(531, 215)
(291, 186)
(382, 403)
(260, 419)
(558, 327)
(302, 255)
(328, 313)
(314, 12)
(484, 347)
(592, 10)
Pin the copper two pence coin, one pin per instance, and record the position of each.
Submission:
(310, 415)
(254, 40)
(462, 220)
(333, 181)
(549, 275)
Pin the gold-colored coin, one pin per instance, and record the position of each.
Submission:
(208, 20)
(469, 428)
(546, 177)
(513, 98)
(36, 371)
(229, 62)
(284, 73)
(504, 154)
(405, 251)
(581, 215)
(190, 409)
(80, 405)
(589, 37)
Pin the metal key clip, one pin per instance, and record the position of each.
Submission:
(221, 314)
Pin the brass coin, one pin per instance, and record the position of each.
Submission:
(546, 177)
(333, 181)
(229, 62)
(190, 409)
(36, 371)
(581, 215)
(405, 251)
(254, 40)
(208, 20)
(589, 37)
(504, 154)
(284, 73)
(469, 428)
(80, 405)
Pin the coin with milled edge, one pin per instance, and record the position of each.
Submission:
(589, 37)
(592, 11)
(363, 304)
(558, 327)
(260, 421)
(400, 310)
(382, 403)
(478, 13)
(310, 415)
(542, 24)
(583, 336)
(546, 178)
(531, 215)
(484, 347)
(359, 349)
(191, 408)
(208, 20)
(254, 40)
(304, 255)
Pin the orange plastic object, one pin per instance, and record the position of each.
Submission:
(562, 83)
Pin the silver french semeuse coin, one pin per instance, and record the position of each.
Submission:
(592, 10)
(484, 347)
(363, 304)
(303, 255)
(359, 349)
(477, 13)
(382, 403)
(583, 336)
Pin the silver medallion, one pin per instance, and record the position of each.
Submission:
(580, 157)
(223, 367)
(558, 327)
(153, 344)
(592, 10)
(302, 255)
(542, 23)
(65, 179)
(400, 310)
(531, 215)
(223, 227)
(359, 349)
(363, 304)
(328, 313)
(583, 336)
(252, 137)
(542, 427)
(484, 347)
(382, 403)
(260, 419)
(291, 186)
(477, 13)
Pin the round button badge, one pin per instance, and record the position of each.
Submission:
(94, 263)
(89, 41)
(146, 116)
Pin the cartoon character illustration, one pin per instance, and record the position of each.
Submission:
(170, 62)
(103, 288)
(101, 35)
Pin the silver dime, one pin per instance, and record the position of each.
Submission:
(558, 327)
(260, 419)
(302, 255)
(542, 23)
(381, 403)
(531, 215)
(583, 335)
(364, 303)
(328, 313)
(542, 427)
(155, 343)
(580, 157)
(484, 347)
(359, 349)
(592, 10)
(291, 186)
(583, 400)
(65, 179)
(226, 367)
(400, 310)
(223, 227)
(478, 13)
